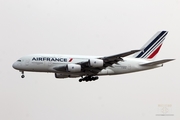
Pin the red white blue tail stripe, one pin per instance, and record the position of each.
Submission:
(152, 47)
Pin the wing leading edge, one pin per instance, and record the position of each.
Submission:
(109, 60)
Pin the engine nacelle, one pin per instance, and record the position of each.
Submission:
(59, 75)
(73, 68)
(96, 63)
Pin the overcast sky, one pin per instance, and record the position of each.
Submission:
(88, 27)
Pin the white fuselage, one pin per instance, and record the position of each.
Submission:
(46, 63)
(90, 67)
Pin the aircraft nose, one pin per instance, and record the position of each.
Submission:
(15, 65)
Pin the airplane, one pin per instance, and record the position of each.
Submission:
(89, 68)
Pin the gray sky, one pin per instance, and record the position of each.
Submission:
(93, 27)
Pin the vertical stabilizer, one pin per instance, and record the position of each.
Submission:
(152, 47)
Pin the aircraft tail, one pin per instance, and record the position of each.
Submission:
(152, 47)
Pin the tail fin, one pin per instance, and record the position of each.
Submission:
(152, 47)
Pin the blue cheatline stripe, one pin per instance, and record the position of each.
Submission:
(153, 47)
(154, 41)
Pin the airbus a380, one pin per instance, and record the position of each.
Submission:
(90, 67)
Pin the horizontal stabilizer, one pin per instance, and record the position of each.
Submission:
(157, 62)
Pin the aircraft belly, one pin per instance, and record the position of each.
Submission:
(106, 72)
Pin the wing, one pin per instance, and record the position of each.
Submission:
(107, 60)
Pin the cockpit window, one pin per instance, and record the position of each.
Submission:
(19, 60)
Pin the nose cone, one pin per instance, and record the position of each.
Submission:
(15, 66)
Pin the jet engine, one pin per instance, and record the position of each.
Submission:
(73, 68)
(96, 63)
